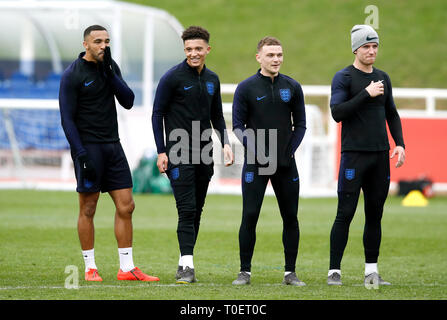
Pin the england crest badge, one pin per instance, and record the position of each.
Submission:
(285, 94)
(249, 176)
(210, 87)
(175, 173)
(349, 174)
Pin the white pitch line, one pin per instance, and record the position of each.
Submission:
(197, 284)
(106, 286)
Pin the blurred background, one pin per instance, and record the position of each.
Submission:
(39, 39)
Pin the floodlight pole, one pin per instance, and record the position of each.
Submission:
(27, 49)
(117, 36)
(117, 53)
(148, 63)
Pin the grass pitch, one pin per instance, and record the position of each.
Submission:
(39, 240)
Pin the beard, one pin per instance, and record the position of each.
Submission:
(98, 57)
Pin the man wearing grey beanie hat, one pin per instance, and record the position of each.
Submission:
(362, 34)
(362, 100)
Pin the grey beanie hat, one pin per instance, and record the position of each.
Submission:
(361, 34)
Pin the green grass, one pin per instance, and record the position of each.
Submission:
(39, 239)
(315, 36)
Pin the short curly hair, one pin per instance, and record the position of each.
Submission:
(196, 32)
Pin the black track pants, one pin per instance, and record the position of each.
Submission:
(285, 183)
(370, 172)
(190, 185)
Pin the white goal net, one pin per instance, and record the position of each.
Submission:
(34, 152)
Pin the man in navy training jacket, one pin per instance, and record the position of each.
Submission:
(187, 102)
(89, 118)
(270, 121)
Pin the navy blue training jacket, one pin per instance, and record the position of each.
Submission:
(87, 103)
(183, 96)
(260, 103)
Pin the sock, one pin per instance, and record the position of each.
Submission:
(180, 263)
(370, 268)
(89, 259)
(286, 273)
(187, 261)
(334, 270)
(126, 259)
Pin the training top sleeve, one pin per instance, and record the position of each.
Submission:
(240, 118)
(68, 97)
(121, 90)
(298, 118)
(217, 118)
(392, 116)
(162, 98)
(341, 106)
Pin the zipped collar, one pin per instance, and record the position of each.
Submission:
(193, 70)
(268, 79)
(87, 63)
